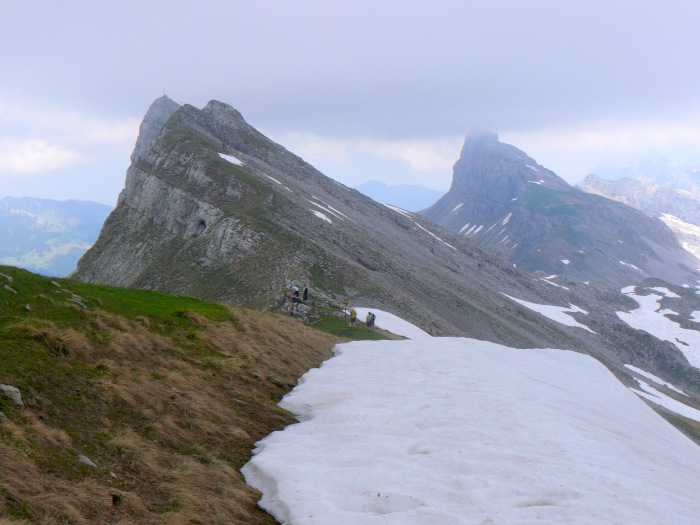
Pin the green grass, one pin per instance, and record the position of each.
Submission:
(332, 324)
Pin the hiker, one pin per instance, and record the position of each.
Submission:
(295, 295)
(305, 295)
(353, 318)
(370, 321)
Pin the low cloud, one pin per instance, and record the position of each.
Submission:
(68, 124)
(34, 156)
(419, 155)
(610, 136)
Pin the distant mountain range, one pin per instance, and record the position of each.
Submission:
(48, 236)
(405, 196)
(506, 201)
(651, 169)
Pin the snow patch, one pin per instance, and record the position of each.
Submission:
(655, 379)
(321, 215)
(566, 261)
(435, 236)
(398, 210)
(392, 323)
(273, 179)
(649, 319)
(666, 292)
(324, 208)
(560, 314)
(631, 266)
(457, 207)
(547, 280)
(661, 399)
(231, 159)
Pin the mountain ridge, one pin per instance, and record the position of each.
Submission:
(215, 210)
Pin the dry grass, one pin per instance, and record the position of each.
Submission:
(168, 417)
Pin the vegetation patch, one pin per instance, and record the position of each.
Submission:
(139, 407)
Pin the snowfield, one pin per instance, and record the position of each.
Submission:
(650, 318)
(446, 431)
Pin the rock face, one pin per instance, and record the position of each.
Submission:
(214, 209)
(507, 202)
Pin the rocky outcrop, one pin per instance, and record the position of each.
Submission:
(506, 201)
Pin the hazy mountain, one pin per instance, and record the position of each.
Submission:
(216, 210)
(405, 196)
(48, 236)
(652, 169)
(651, 198)
(503, 199)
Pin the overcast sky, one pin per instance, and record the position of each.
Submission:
(362, 90)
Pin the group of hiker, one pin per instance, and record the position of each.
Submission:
(294, 298)
(369, 320)
(302, 297)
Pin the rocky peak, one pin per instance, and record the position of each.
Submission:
(222, 112)
(158, 113)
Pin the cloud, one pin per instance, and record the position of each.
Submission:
(610, 136)
(34, 156)
(419, 155)
(424, 155)
(69, 124)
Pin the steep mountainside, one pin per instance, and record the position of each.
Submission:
(48, 236)
(503, 199)
(215, 210)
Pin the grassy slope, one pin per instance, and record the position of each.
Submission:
(166, 394)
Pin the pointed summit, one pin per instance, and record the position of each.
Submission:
(158, 113)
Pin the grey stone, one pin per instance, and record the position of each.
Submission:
(86, 461)
(13, 393)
